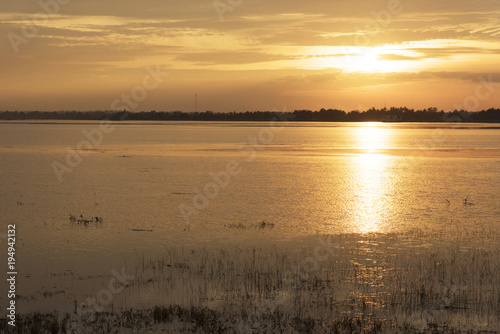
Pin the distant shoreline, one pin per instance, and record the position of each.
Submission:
(392, 115)
(159, 122)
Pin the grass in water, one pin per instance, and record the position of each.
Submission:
(390, 283)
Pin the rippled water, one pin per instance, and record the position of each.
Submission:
(305, 178)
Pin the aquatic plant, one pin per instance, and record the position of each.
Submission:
(414, 282)
(85, 221)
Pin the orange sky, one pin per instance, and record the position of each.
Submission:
(250, 54)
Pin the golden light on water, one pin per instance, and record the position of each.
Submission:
(369, 186)
(371, 136)
(369, 179)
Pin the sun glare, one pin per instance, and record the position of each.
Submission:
(371, 137)
(382, 59)
(367, 212)
(369, 177)
(369, 60)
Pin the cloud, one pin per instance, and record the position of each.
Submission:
(447, 52)
(231, 57)
(294, 46)
(397, 57)
(464, 76)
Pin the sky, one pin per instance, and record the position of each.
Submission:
(239, 55)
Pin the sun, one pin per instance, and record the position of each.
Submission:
(374, 59)
(366, 60)
(371, 59)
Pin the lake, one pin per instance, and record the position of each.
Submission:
(333, 226)
(153, 184)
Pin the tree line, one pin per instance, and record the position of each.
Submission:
(401, 114)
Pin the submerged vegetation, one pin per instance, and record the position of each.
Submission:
(349, 283)
(81, 220)
(261, 225)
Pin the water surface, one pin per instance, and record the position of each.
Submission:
(305, 178)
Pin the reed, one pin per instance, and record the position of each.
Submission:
(415, 282)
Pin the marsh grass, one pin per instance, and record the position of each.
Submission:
(261, 225)
(413, 283)
(81, 220)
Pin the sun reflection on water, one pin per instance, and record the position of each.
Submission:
(369, 180)
(371, 136)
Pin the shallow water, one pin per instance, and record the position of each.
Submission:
(305, 178)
